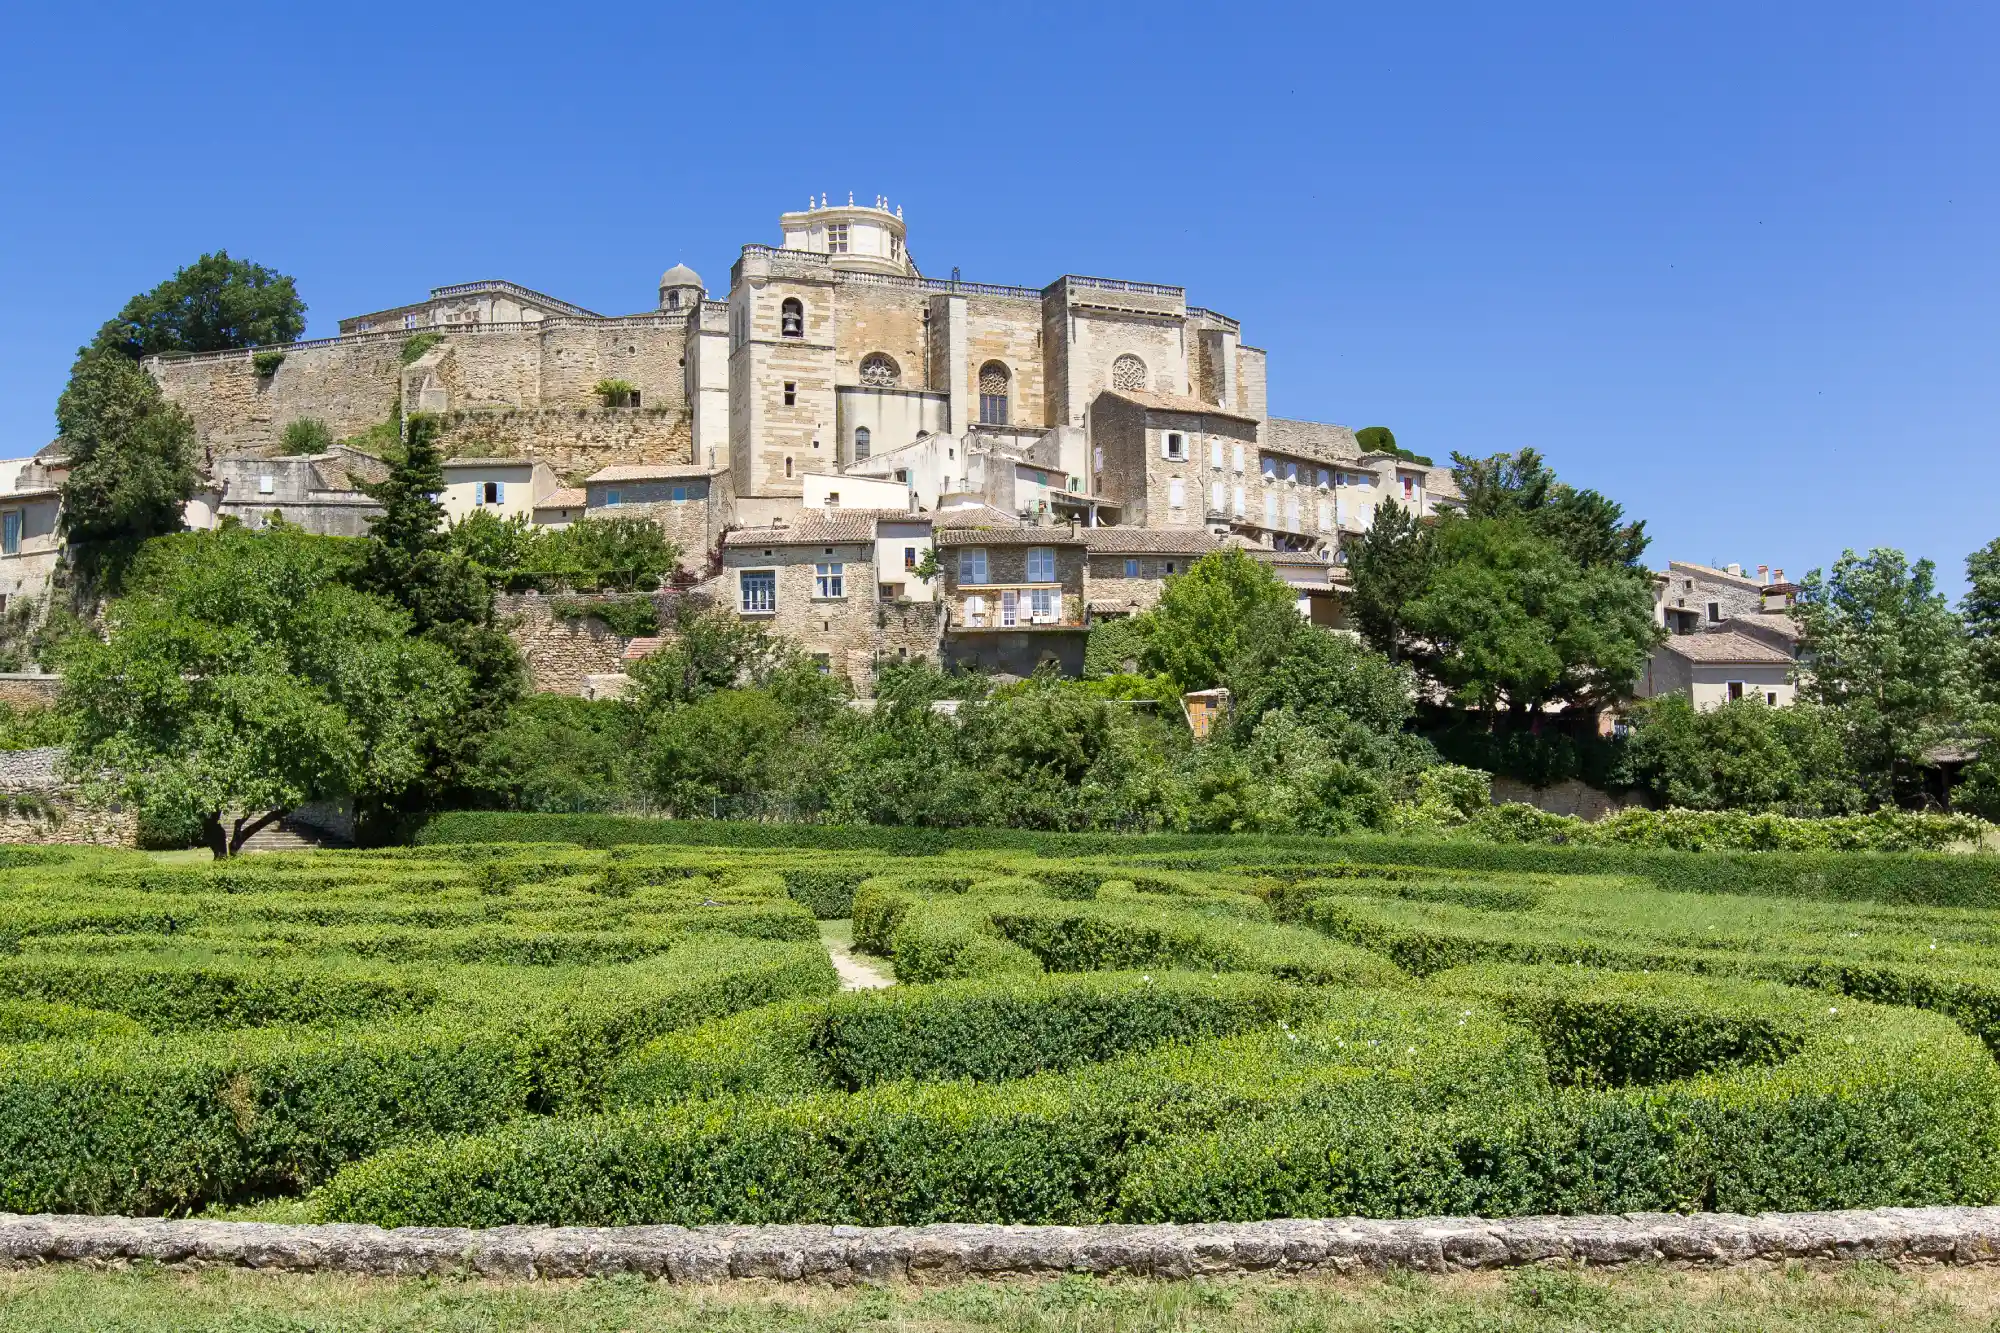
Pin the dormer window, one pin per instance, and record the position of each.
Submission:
(792, 318)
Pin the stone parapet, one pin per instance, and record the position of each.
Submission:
(841, 1254)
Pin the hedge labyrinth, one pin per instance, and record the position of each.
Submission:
(478, 1033)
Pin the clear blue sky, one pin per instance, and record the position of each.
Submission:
(1733, 264)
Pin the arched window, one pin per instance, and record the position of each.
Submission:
(879, 370)
(1128, 372)
(792, 318)
(860, 443)
(994, 382)
(673, 300)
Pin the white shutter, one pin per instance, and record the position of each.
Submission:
(1239, 502)
(1215, 497)
(1214, 452)
(499, 492)
(1239, 456)
(1176, 494)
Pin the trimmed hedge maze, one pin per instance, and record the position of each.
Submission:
(488, 1033)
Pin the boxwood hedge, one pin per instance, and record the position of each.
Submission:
(537, 1030)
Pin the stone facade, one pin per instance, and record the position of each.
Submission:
(814, 582)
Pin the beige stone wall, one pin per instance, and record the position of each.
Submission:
(560, 653)
(764, 430)
(573, 441)
(74, 822)
(1251, 398)
(350, 386)
(1105, 580)
(1008, 565)
(1568, 797)
(889, 320)
(1101, 337)
(574, 357)
(29, 689)
(1007, 330)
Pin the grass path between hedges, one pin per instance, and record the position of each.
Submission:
(1797, 1299)
(856, 972)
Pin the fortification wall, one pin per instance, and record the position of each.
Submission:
(573, 441)
(350, 385)
(355, 382)
(559, 652)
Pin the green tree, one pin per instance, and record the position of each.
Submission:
(132, 461)
(1507, 619)
(556, 754)
(242, 677)
(1589, 528)
(706, 649)
(712, 754)
(212, 305)
(1883, 650)
(1744, 755)
(408, 559)
(1197, 627)
(1389, 564)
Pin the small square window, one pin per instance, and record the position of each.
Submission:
(909, 557)
(791, 393)
(611, 497)
(1131, 569)
(1715, 613)
(972, 565)
(265, 484)
(830, 579)
(1041, 564)
(680, 494)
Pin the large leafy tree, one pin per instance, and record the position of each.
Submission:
(1744, 755)
(132, 459)
(212, 305)
(242, 677)
(1885, 652)
(1198, 625)
(1532, 595)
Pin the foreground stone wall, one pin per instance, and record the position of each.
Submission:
(561, 653)
(944, 1252)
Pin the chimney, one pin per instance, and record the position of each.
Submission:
(1777, 576)
(1735, 569)
(1763, 574)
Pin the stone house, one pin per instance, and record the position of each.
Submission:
(816, 581)
(1690, 599)
(30, 539)
(503, 487)
(1126, 567)
(318, 492)
(559, 509)
(693, 503)
(1712, 669)
(1013, 598)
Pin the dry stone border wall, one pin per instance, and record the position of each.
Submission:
(834, 1254)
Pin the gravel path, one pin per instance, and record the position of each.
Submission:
(854, 973)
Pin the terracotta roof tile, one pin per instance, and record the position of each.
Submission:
(974, 516)
(570, 497)
(812, 530)
(1145, 541)
(1177, 402)
(1726, 646)
(651, 472)
(1007, 537)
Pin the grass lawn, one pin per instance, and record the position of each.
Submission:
(1851, 1297)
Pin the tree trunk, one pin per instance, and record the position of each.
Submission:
(214, 836)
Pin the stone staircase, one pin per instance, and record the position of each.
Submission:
(289, 835)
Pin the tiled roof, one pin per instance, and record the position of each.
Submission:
(1007, 537)
(1725, 647)
(812, 530)
(974, 516)
(1178, 402)
(489, 462)
(1311, 439)
(1709, 571)
(651, 472)
(643, 647)
(1770, 622)
(1110, 606)
(570, 497)
(1146, 541)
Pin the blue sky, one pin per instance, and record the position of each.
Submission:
(1733, 264)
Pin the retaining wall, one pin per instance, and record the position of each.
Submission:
(833, 1254)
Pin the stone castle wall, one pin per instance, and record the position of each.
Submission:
(573, 441)
(350, 385)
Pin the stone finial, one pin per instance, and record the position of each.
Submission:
(850, 198)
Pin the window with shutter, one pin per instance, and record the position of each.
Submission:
(1215, 500)
(1176, 494)
(1239, 456)
(975, 611)
(1237, 504)
(1215, 453)
(1010, 609)
(972, 565)
(1041, 564)
(1270, 511)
